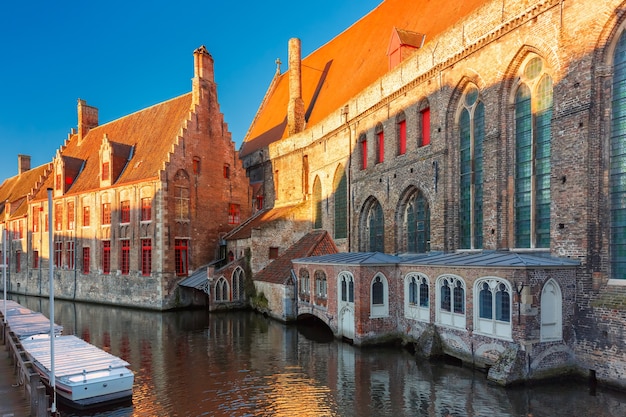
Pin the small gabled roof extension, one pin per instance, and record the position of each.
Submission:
(315, 243)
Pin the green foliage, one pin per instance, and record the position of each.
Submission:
(259, 302)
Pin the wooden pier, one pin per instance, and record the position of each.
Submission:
(21, 389)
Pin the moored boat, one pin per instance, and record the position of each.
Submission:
(85, 375)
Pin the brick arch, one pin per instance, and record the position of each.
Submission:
(510, 78)
(407, 194)
(366, 208)
(610, 33)
(453, 110)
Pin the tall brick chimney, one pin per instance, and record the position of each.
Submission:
(87, 119)
(23, 163)
(203, 74)
(295, 109)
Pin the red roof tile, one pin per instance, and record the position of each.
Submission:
(147, 135)
(315, 243)
(15, 190)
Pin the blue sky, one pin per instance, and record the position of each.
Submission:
(123, 56)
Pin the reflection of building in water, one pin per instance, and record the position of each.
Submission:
(466, 160)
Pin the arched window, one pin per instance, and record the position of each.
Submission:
(305, 286)
(551, 312)
(341, 203)
(363, 147)
(618, 163)
(533, 127)
(321, 289)
(238, 284)
(416, 224)
(493, 315)
(380, 143)
(317, 203)
(346, 287)
(417, 298)
(221, 290)
(472, 134)
(374, 228)
(379, 296)
(401, 132)
(450, 301)
(424, 124)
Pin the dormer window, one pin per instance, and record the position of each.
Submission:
(402, 44)
(106, 172)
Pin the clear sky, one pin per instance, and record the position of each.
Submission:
(123, 56)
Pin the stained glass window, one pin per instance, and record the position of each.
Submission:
(533, 124)
(472, 134)
(618, 163)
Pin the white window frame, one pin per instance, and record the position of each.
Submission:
(413, 310)
(493, 327)
(450, 318)
(551, 324)
(379, 310)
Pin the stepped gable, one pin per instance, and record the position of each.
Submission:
(316, 243)
(144, 139)
(358, 54)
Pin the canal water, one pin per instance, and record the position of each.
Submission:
(191, 363)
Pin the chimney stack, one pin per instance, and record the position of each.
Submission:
(202, 74)
(23, 164)
(295, 109)
(87, 119)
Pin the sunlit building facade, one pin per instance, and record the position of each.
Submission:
(439, 136)
(129, 202)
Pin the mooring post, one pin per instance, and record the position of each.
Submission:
(42, 402)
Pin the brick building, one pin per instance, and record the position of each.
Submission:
(129, 201)
(444, 133)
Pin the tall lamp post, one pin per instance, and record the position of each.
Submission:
(53, 408)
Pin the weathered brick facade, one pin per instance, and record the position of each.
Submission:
(492, 50)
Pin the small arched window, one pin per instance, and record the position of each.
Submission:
(401, 132)
(380, 143)
(238, 284)
(493, 315)
(551, 312)
(317, 203)
(379, 296)
(451, 301)
(221, 290)
(346, 287)
(417, 299)
(305, 286)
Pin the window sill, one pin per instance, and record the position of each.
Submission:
(617, 282)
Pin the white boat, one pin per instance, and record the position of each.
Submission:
(26, 323)
(85, 376)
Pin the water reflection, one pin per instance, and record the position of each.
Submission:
(189, 363)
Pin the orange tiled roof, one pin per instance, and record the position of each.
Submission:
(147, 135)
(315, 243)
(355, 58)
(15, 190)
